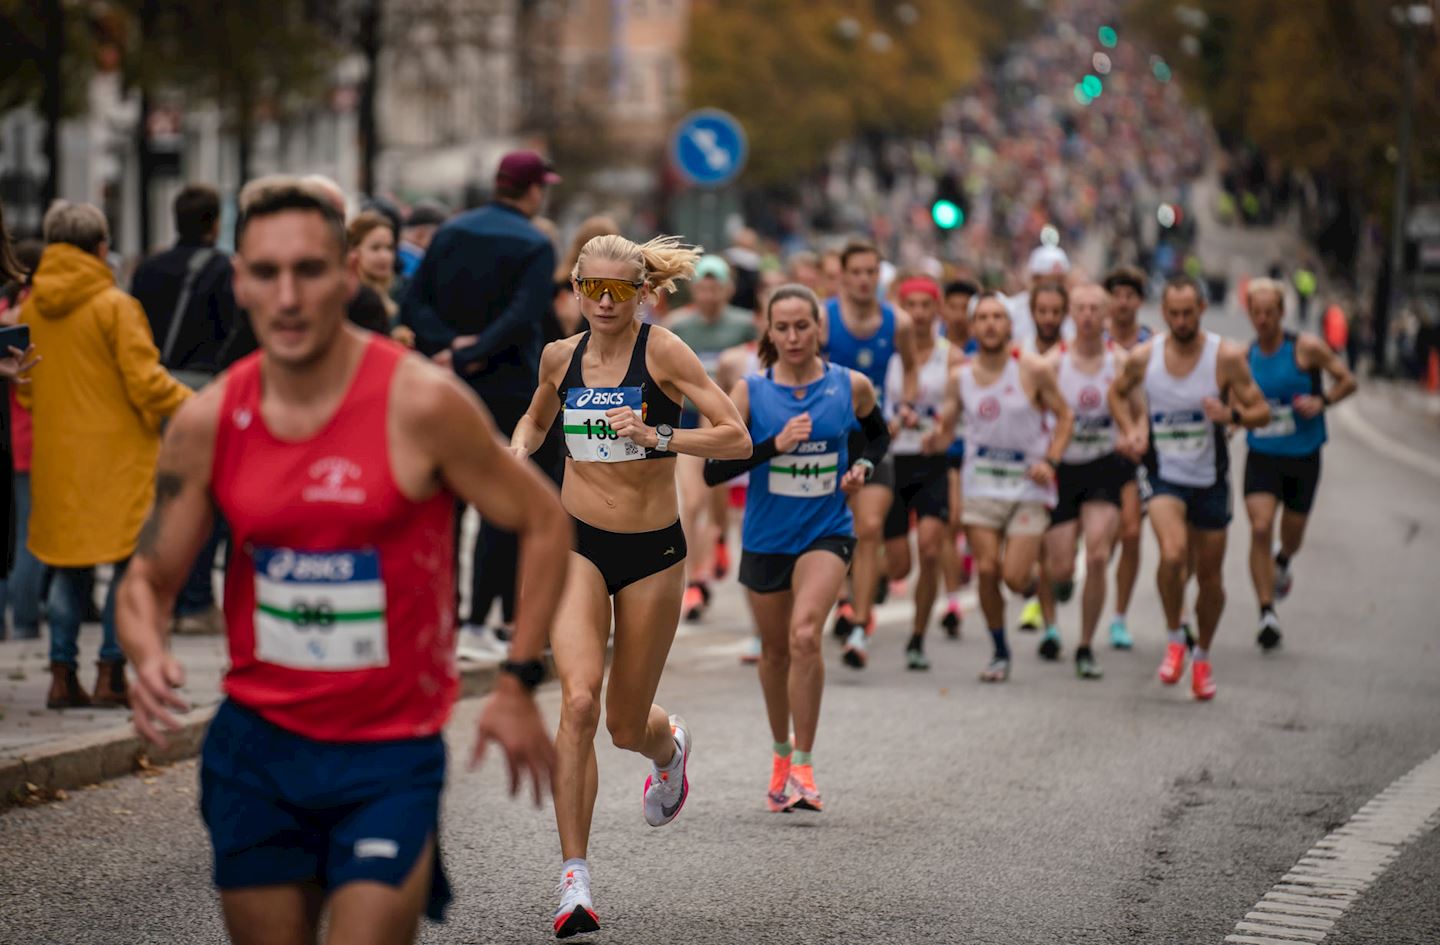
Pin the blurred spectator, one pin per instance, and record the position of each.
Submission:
(804, 267)
(98, 400)
(20, 574)
(420, 226)
(479, 301)
(744, 258)
(567, 305)
(372, 252)
(1046, 264)
(186, 293)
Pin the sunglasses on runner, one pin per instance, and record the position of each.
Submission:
(620, 290)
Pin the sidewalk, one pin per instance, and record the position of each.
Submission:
(1398, 419)
(45, 750)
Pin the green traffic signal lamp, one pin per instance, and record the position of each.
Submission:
(1108, 37)
(946, 214)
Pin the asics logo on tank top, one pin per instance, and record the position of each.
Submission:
(990, 407)
(331, 476)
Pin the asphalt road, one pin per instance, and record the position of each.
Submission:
(1047, 810)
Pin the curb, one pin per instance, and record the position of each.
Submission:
(1351, 419)
(81, 760)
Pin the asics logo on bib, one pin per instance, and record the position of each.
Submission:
(297, 566)
(601, 398)
(814, 446)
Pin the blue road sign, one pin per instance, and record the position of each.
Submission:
(709, 147)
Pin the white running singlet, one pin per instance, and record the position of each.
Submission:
(1182, 436)
(929, 397)
(1004, 436)
(1086, 394)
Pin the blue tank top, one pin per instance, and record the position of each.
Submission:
(870, 356)
(795, 498)
(1281, 380)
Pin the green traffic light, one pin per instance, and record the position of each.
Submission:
(1162, 71)
(946, 214)
(1108, 37)
(1092, 86)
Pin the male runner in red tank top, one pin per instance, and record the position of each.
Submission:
(335, 458)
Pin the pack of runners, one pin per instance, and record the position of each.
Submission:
(337, 457)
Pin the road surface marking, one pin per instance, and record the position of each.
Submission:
(1349, 417)
(1307, 902)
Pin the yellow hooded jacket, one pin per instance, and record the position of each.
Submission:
(97, 396)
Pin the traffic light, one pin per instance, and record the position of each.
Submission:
(946, 214)
(948, 209)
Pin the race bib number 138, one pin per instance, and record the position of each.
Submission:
(320, 610)
(588, 434)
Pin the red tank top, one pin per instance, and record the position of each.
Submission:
(339, 593)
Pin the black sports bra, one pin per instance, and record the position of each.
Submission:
(657, 407)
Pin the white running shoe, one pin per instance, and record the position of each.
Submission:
(576, 914)
(481, 644)
(751, 653)
(665, 792)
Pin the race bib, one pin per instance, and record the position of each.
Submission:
(810, 471)
(320, 610)
(1282, 421)
(909, 441)
(1181, 432)
(588, 434)
(1093, 437)
(999, 473)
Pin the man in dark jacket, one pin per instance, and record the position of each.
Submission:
(191, 282)
(193, 344)
(477, 301)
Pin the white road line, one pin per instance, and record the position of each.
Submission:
(1307, 902)
(1349, 417)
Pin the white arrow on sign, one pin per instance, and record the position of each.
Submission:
(715, 156)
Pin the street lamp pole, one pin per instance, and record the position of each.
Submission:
(1409, 17)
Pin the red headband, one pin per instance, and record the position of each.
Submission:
(919, 284)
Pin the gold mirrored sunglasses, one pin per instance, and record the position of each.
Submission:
(620, 290)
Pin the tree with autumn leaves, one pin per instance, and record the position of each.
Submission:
(802, 77)
(1314, 86)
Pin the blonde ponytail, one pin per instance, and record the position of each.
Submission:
(660, 262)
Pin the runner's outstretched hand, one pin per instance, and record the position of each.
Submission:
(511, 719)
(153, 695)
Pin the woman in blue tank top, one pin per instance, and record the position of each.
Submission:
(798, 534)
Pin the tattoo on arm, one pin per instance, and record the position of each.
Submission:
(167, 488)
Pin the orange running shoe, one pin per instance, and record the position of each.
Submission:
(696, 599)
(782, 794)
(1173, 666)
(722, 559)
(1201, 682)
(802, 782)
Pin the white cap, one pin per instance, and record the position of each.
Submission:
(1049, 261)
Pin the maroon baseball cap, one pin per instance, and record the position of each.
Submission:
(520, 169)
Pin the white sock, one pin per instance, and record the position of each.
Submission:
(1177, 636)
(1199, 654)
(1120, 618)
(673, 765)
(577, 865)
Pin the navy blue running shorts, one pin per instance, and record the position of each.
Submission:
(1207, 508)
(282, 808)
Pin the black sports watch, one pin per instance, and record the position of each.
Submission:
(663, 433)
(531, 673)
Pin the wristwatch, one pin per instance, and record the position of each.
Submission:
(868, 466)
(531, 673)
(1053, 463)
(663, 433)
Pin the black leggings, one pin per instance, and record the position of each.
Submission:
(626, 557)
